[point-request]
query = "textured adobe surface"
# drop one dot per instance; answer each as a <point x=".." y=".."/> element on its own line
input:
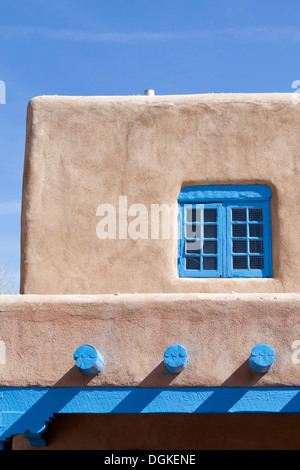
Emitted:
<point x="132" y="332"/>
<point x="85" y="151"/>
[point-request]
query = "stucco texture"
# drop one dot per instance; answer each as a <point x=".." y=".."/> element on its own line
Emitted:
<point x="132" y="332"/>
<point x="82" y="152"/>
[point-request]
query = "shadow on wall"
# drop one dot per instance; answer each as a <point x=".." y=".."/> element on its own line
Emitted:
<point x="244" y="376"/>
<point x="44" y="404"/>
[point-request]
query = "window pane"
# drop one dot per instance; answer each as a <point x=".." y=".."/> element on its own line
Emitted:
<point x="192" y="247"/>
<point x="210" y="215"/>
<point x="210" y="231"/>
<point x="192" y="231"/>
<point x="256" y="262"/>
<point x="193" y="263"/>
<point x="256" y="230"/>
<point x="239" y="246"/>
<point x="192" y="214"/>
<point x="210" y="247"/>
<point x="239" y="215"/>
<point x="256" y="246"/>
<point x="239" y="262"/>
<point x="209" y="263"/>
<point x="227" y="233"/>
<point x="239" y="230"/>
<point x="256" y="215"/>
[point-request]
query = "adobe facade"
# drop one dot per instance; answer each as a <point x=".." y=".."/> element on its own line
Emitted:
<point x="82" y="153"/>
<point x="98" y="268"/>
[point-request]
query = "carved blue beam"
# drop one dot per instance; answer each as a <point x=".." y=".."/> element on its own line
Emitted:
<point x="28" y="410"/>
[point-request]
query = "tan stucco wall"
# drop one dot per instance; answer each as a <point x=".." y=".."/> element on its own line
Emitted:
<point x="85" y="151"/>
<point x="132" y="332"/>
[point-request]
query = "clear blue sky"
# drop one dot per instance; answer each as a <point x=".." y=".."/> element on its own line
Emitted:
<point x="119" y="47"/>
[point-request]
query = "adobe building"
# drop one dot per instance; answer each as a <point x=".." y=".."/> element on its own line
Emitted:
<point x="160" y="274"/>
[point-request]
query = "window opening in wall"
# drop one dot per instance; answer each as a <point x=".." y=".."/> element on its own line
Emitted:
<point x="225" y="231"/>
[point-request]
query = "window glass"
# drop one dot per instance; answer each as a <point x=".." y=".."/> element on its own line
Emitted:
<point x="226" y="231"/>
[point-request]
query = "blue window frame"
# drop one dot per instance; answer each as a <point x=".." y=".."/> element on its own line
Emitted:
<point x="225" y="231"/>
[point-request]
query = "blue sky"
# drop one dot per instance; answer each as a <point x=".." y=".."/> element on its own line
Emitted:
<point x="118" y="47"/>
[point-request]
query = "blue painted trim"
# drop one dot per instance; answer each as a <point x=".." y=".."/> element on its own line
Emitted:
<point x="217" y="193"/>
<point x="267" y="240"/>
<point x="182" y="271"/>
<point x="38" y="439"/>
<point x="28" y="410"/>
<point x="224" y="198"/>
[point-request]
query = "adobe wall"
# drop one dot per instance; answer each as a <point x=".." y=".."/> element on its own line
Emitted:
<point x="123" y="295"/>
<point x="132" y="332"/>
<point x="82" y="152"/>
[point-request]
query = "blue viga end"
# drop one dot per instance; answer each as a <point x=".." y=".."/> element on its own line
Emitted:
<point x="175" y="358"/>
<point x="88" y="359"/>
<point x="262" y="358"/>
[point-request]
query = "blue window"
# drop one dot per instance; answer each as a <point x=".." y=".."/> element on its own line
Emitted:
<point x="225" y="231"/>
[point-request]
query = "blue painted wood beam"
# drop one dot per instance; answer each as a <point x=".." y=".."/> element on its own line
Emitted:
<point x="39" y="438"/>
<point x="88" y="360"/>
<point x="175" y="358"/>
<point x="261" y="358"/>
<point x="28" y="410"/>
<point x="216" y="193"/>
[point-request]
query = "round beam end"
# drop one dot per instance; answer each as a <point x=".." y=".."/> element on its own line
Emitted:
<point x="175" y="358"/>
<point x="88" y="359"/>
<point x="262" y="358"/>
